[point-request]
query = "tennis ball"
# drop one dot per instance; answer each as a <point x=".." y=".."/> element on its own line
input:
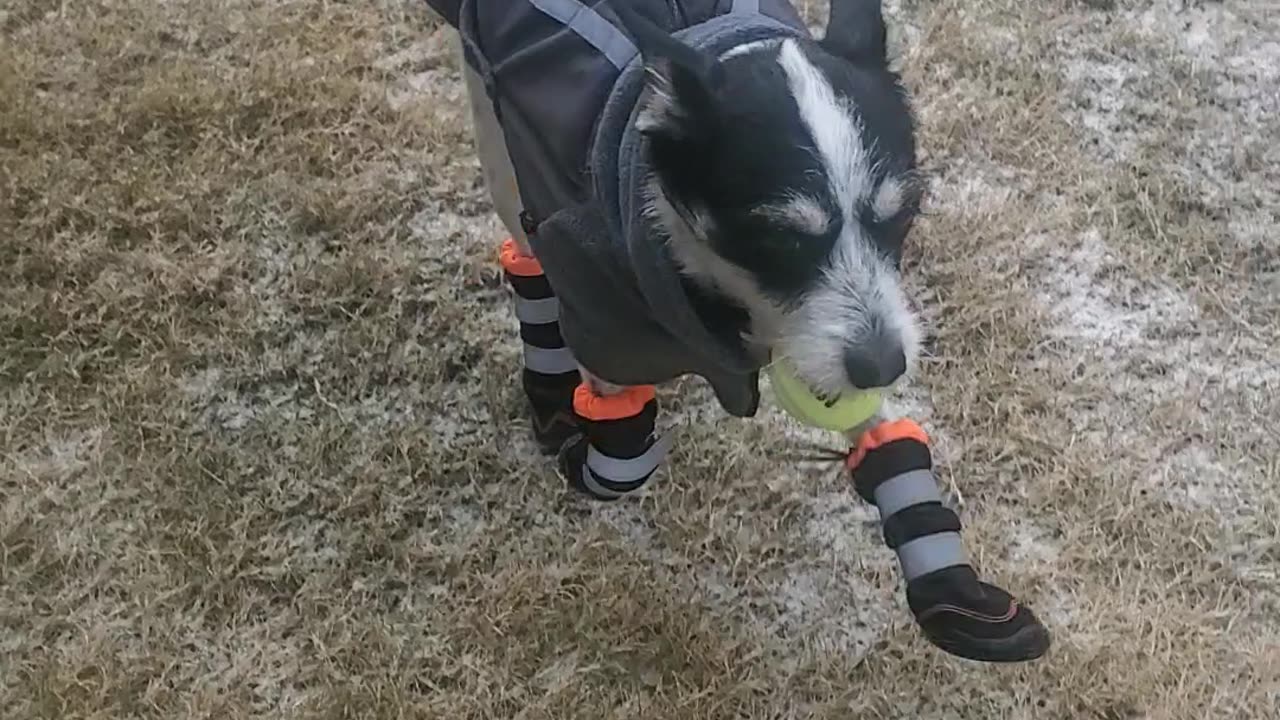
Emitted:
<point x="843" y="413"/>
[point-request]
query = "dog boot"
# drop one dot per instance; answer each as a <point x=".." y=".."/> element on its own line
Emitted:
<point x="892" y="468"/>
<point x="619" y="449"/>
<point x="550" y="373"/>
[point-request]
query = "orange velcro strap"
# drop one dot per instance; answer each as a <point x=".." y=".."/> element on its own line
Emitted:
<point x="883" y="434"/>
<point x="625" y="404"/>
<point x="516" y="263"/>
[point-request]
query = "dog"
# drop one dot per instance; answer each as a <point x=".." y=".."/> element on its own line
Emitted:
<point x="784" y="184"/>
<point x="701" y="187"/>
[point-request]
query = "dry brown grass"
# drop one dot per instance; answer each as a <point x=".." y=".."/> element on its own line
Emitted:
<point x="263" y="455"/>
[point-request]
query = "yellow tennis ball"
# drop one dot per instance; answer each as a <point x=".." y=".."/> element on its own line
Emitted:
<point x="844" y="413"/>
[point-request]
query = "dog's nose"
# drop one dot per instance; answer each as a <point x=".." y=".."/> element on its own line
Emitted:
<point x="876" y="365"/>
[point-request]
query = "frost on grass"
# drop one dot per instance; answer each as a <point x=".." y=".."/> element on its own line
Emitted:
<point x="1178" y="100"/>
<point x="838" y="593"/>
<point x="1094" y="302"/>
<point x="268" y="458"/>
<point x="1150" y="344"/>
<point x="58" y="457"/>
<point x="834" y="595"/>
<point x="1191" y="86"/>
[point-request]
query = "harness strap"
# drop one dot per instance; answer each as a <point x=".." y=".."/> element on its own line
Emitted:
<point x="604" y="35"/>
<point x="592" y="27"/>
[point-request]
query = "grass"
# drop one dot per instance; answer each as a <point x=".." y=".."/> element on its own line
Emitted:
<point x="264" y="456"/>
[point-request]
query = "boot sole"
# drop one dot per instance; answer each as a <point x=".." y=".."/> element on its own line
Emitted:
<point x="1029" y="643"/>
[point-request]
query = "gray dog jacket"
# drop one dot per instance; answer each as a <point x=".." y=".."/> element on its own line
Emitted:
<point x="565" y="79"/>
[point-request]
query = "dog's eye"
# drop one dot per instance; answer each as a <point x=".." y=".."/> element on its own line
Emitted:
<point x="889" y="234"/>
<point x="787" y="245"/>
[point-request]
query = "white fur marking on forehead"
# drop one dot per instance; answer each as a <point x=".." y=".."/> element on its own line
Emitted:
<point x="835" y="131"/>
<point x="800" y="212"/>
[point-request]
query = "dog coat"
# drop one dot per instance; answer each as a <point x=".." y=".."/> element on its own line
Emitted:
<point x="565" y="79"/>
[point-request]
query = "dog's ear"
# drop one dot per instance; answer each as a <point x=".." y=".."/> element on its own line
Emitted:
<point x="856" y="32"/>
<point x="682" y="81"/>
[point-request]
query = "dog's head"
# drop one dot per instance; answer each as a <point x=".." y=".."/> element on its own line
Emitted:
<point x="784" y="174"/>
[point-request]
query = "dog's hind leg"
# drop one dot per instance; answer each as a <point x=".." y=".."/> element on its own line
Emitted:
<point x="621" y="448"/>
<point x="550" y="372"/>
<point x="495" y="160"/>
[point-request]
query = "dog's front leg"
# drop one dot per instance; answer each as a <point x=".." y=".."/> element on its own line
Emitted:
<point x="892" y="468"/>
<point x="620" y="448"/>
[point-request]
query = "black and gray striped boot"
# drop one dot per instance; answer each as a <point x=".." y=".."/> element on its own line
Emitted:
<point x="550" y="372"/>
<point x="892" y="468"/>
<point x="619" y="449"/>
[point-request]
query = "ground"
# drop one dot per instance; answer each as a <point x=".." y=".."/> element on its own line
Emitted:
<point x="264" y="454"/>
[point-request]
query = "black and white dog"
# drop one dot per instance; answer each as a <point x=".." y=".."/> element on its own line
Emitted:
<point x="784" y="174"/>
<point x="747" y="200"/>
